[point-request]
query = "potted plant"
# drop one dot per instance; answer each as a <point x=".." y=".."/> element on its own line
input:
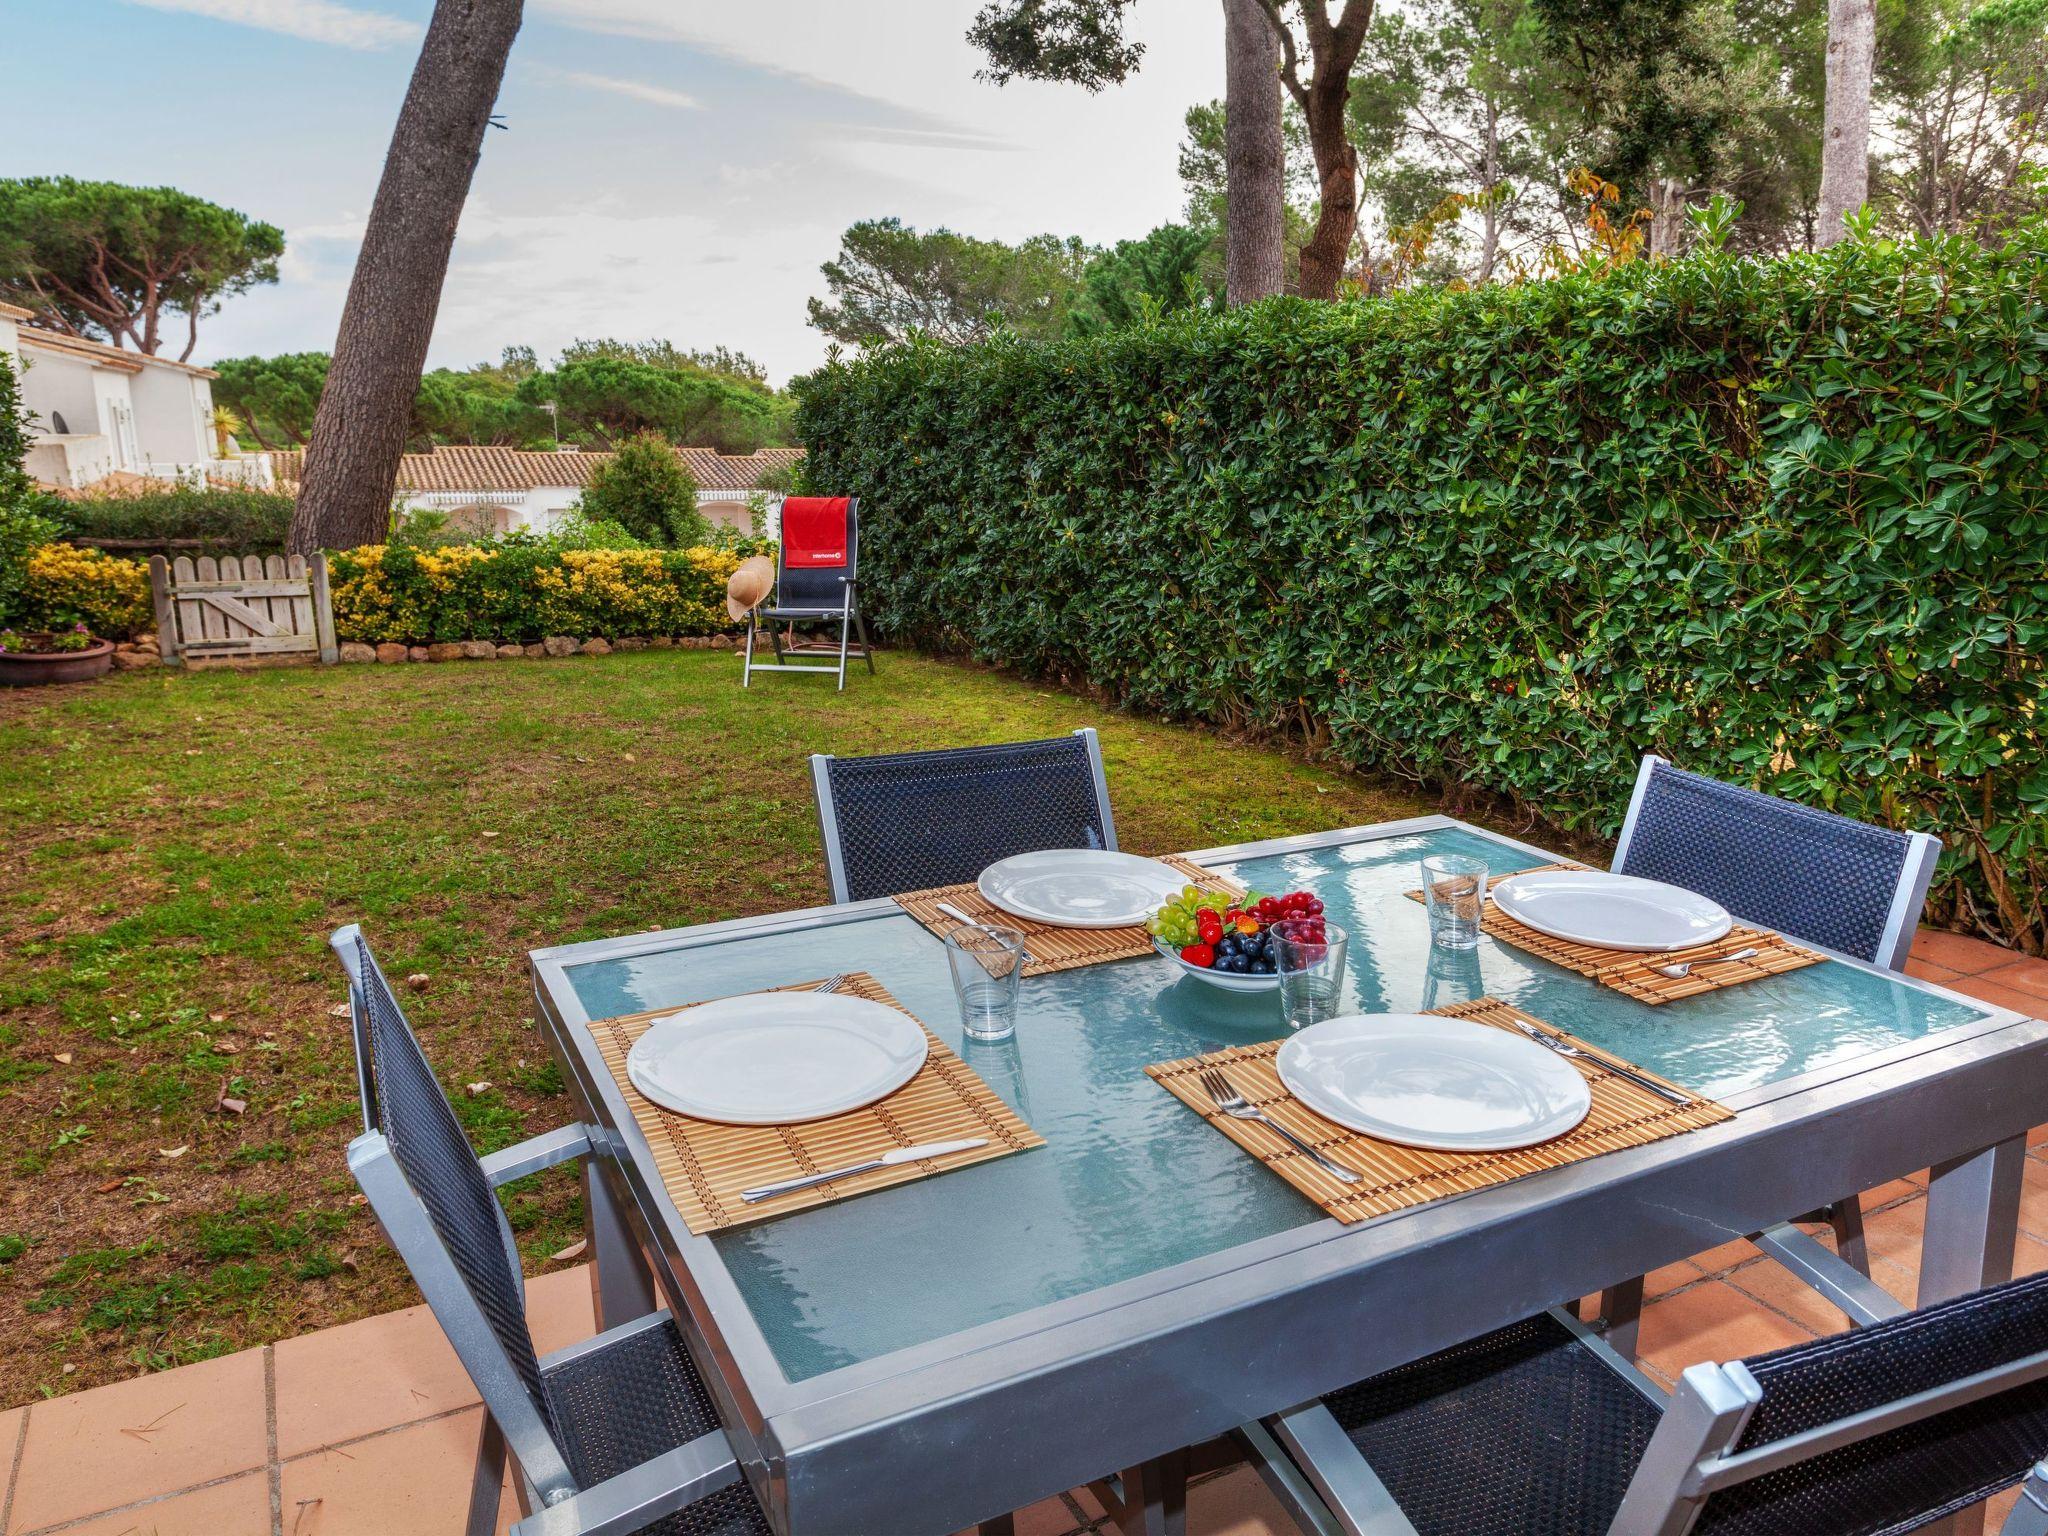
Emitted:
<point x="32" y="656"/>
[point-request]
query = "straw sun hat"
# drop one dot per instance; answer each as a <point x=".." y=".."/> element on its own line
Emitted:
<point x="748" y="585"/>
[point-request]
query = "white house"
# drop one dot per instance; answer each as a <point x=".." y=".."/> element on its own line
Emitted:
<point x="96" y="410"/>
<point x="497" y="490"/>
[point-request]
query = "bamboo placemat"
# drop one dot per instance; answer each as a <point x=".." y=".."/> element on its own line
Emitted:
<point x="1050" y="948"/>
<point x="1637" y="975"/>
<point x="1395" y="1176"/>
<point x="705" y="1165"/>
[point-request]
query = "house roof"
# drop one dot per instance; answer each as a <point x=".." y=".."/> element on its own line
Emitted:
<point x="517" y="469"/>
<point x="15" y="312"/>
<point x="101" y="355"/>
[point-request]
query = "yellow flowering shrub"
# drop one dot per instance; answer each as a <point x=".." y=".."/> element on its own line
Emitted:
<point x="525" y="590"/>
<point x="111" y="595"/>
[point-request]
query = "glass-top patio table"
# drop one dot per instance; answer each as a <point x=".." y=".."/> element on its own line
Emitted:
<point x="920" y="1358"/>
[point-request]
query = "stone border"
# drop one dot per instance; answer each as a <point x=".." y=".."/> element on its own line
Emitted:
<point x="391" y="653"/>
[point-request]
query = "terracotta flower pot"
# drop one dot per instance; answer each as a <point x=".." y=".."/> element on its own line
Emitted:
<point x="28" y="671"/>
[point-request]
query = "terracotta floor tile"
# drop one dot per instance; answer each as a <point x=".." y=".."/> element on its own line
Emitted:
<point x="339" y="1383"/>
<point x="414" y="1479"/>
<point x="1958" y="952"/>
<point x="1941" y="975"/>
<point x="1048" y="1517"/>
<point x="1710" y="1321"/>
<point x="2029" y="975"/>
<point x="1777" y="1288"/>
<point x="10" y="1440"/>
<point x="1236" y="1503"/>
<point x="239" y="1507"/>
<point x="1661" y="1282"/>
<point x="188" y="1426"/>
<point x="1893" y="1191"/>
<point x="2034" y="1197"/>
<point x="2030" y="1257"/>
<point x="1894" y="1235"/>
<point x="1725" y="1257"/>
<point x="2038" y="1136"/>
<point x="559" y="1308"/>
<point x="2001" y="996"/>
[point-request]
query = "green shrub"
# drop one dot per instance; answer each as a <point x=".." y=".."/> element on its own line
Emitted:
<point x="226" y="521"/>
<point x="14" y="481"/>
<point x="22" y="532"/>
<point x="524" y="588"/>
<point x="1781" y="521"/>
<point x="645" y="489"/>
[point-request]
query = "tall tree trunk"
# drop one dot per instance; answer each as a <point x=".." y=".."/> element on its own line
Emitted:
<point x="1845" y="139"/>
<point x="1254" y="154"/>
<point x="1333" y="45"/>
<point x="1667" y="218"/>
<point x="360" y="426"/>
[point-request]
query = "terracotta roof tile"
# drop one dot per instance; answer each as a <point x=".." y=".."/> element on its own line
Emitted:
<point x="100" y="352"/>
<point x="517" y="469"/>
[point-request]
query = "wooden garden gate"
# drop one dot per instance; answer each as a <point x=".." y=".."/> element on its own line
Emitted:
<point x="258" y="607"/>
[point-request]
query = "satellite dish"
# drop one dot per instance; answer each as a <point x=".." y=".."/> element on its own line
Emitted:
<point x="57" y="424"/>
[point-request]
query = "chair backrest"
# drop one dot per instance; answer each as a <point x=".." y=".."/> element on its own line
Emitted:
<point x="913" y="820"/>
<point x="1878" y="1429"/>
<point x="1809" y="874"/>
<point x="818" y="586"/>
<point x="442" y="1215"/>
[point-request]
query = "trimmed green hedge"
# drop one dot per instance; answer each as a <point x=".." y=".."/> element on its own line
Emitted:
<point x="1781" y="521"/>
<point x="225" y="521"/>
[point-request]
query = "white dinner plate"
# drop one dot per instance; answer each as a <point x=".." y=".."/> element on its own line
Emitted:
<point x="776" y="1058"/>
<point x="1609" y="911"/>
<point x="1445" y="1085"/>
<point x="1081" y="887"/>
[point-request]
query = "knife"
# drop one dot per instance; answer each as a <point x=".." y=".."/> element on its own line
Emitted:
<point x="886" y="1160"/>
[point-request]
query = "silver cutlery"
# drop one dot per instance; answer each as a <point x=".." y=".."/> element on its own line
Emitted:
<point x="956" y="914"/>
<point x="886" y="1160"/>
<point x="1566" y="1048"/>
<point x="1683" y="968"/>
<point x="1235" y="1105"/>
<point x="831" y="983"/>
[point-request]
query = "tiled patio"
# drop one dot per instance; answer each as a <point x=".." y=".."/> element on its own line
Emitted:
<point x="370" y="1428"/>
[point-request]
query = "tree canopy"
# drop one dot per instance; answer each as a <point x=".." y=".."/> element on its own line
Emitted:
<point x="111" y="262"/>
<point x="890" y="281"/>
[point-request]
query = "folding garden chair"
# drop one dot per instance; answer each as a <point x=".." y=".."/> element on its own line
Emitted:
<point x="817" y="566"/>
<point x="1809" y="874"/>
<point x="1541" y="1427"/>
<point x="613" y="1435"/>
<point x="912" y="820"/>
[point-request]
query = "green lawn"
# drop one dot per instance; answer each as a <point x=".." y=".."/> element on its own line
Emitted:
<point x="175" y="847"/>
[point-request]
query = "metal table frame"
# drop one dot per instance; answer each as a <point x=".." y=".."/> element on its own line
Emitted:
<point x="962" y="1428"/>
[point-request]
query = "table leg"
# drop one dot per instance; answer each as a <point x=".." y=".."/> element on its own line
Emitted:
<point x="619" y="1283"/>
<point x="1973" y="1216"/>
<point x="1621" y="1311"/>
<point x="1155" y="1497"/>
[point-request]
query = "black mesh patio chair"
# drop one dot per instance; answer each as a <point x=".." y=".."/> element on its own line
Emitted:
<point x="1811" y="875"/>
<point x="612" y="1435"/>
<point x="1540" y="1427"/>
<point x="811" y="595"/>
<point x="909" y="821"/>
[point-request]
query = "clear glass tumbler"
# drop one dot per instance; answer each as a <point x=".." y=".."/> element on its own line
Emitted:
<point x="988" y="963"/>
<point x="1454" y="890"/>
<point x="1308" y="954"/>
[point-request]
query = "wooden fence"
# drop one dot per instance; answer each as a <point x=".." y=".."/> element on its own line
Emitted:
<point x="258" y="607"/>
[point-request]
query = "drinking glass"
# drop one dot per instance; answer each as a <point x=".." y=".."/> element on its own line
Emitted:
<point x="988" y="964"/>
<point x="1454" y="890"/>
<point x="1308" y="954"/>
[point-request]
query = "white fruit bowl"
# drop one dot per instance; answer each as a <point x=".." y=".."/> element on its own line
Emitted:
<point x="1226" y="981"/>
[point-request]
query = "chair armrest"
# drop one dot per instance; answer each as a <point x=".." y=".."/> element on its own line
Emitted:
<point x="535" y="1153"/>
<point x="640" y="1495"/>
<point x="1810" y="1260"/>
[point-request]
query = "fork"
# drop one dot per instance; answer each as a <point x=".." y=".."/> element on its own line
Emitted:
<point x="1566" y="1048"/>
<point x="1235" y="1105"/>
<point x="1683" y="968"/>
<point x="831" y="983"/>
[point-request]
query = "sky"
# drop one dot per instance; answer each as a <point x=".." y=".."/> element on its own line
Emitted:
<point x="670" y="168"/>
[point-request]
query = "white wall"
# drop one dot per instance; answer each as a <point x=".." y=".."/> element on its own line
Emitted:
<point x="115" y="401"/>
<point x="51" y="382"/>
<point x="10" y="331"/>
<point x="166" y="416"/>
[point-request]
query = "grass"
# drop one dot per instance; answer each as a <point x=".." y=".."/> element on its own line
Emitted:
<point x="175" y="847"/>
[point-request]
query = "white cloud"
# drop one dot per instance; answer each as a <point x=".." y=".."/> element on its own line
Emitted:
<point x="317" y="21"/>
<point x="638" y="90"/>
